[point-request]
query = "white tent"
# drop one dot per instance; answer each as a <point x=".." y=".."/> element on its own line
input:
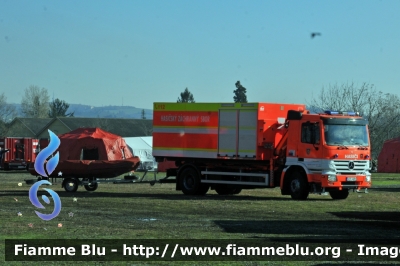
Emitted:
<point x="143" y="148"/>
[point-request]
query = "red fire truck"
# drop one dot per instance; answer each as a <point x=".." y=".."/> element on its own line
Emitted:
<point x="21" y="151"/>
<point x="233" y="146"/>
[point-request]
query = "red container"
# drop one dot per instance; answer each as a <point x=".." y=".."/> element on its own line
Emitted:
<point x="21" y="152"/>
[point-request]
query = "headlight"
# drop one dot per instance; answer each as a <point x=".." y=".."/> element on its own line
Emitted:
<point x="332" y="178"/>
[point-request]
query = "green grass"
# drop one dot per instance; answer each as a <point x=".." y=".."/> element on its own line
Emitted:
<point x="141" y="211"/>
<point x="385" y="179"/>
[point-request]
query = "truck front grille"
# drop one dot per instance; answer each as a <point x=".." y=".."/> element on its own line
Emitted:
<point x="343" y="167"/>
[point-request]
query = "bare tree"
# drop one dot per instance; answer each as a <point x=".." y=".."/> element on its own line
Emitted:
<point x="7" y="113"/>
<point x="381" y="109"/>
<point x="35" y="102"/>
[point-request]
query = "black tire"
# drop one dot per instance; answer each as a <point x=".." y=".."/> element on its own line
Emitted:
<point x="224" y="189"/>
<point x="190" y="181"/>
<point x="339" y="194"/>
<point x="298" y="186"/>
<point x="203" y="189"/>
<point x="71" y="184"/>
<point x="92" y="186"/>
<point x="237" y="191"/>
<point x="6" y="167"/>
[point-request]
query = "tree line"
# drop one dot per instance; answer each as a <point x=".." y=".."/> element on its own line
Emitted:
<point x="239" y="95"/>
<point x="34" y="104"/>
<point x="381" y="109"/>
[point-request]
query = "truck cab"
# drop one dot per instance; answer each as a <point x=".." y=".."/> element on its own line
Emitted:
<point x="327" y="152"/>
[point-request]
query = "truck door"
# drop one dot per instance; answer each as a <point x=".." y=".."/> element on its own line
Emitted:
<point x="309" y="149"/>
<point x="237" y="133"/>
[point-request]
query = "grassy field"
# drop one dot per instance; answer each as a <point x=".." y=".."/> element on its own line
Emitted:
<point x="141" y="211"/>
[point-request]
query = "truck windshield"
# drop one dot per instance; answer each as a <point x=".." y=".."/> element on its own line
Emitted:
<point x="346" y="135"/>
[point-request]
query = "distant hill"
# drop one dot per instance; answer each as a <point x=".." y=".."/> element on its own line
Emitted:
<point x="81" y="110"/>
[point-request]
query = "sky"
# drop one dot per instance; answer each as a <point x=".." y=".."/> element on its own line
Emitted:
<point x="137" y="52"/>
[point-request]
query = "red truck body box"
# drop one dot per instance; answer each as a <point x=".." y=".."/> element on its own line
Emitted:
<point x="218" y="130"/>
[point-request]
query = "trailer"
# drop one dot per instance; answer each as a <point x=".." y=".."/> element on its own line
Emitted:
<point x="233" y="146"/>
<point x="21" y="151"/>
<point x="87" y="172"/>
<point x="87" y="156"/>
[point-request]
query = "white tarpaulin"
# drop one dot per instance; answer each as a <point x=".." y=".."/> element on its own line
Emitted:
<point x="143" y="148"/>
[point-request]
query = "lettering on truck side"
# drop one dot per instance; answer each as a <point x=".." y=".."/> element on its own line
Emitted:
<point x="205" y="118"/>
<point x="188" y="118"/>
<point x="168" y="118"/>
<point x="184" y="118"/>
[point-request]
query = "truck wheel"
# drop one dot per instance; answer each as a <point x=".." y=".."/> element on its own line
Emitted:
<point x="70" y="184"/>
<point x="92" y="186"/>
<point x="298" y="187"/>
<point x="339" y="194"/>
<point x="237" y="191"/>
<point x="190" y="181"/>
<point x="224" y="190"/>
<point x="203" y="189"/>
